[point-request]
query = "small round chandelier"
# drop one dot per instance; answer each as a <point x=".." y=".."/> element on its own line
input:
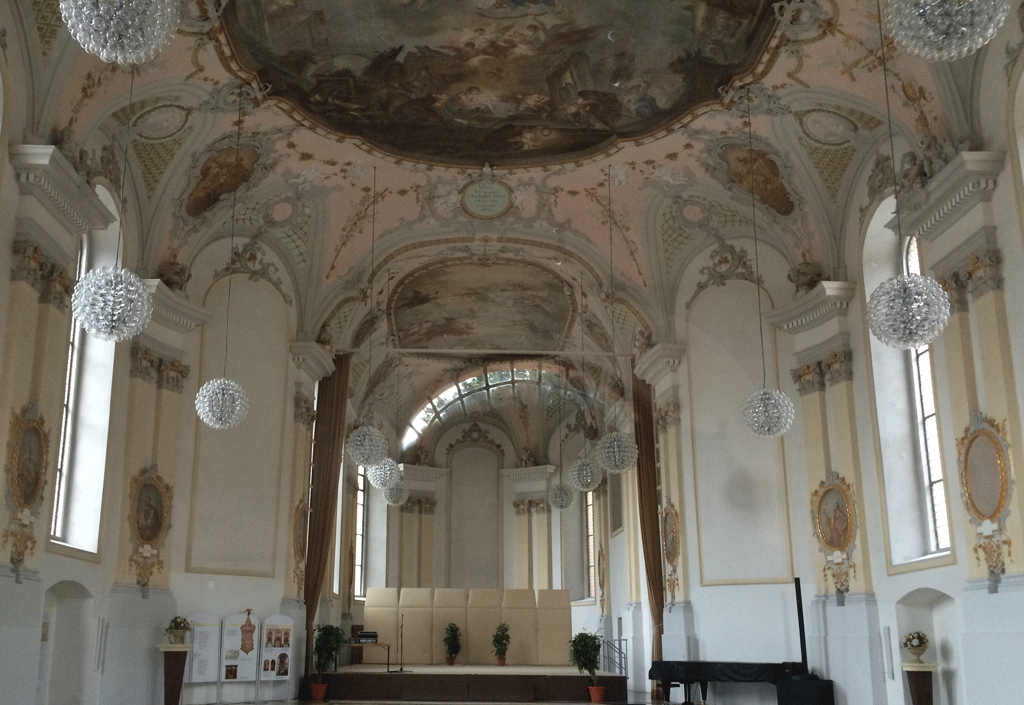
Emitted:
<point x="221" y="403"/>
<point x="768" y="413"/>
<point x="944" y="30"/>
<point x="616" y="452"/>
<point x="585" y="475"/>
<point x="396" y="495"/>
<point x="908" y="311"/>
<point x="367" y="446"/>
<point x="560" y="496"/>
<point x="111" y="303"/>
<point x="125" y="31"/>
<point x="385" y="474"/>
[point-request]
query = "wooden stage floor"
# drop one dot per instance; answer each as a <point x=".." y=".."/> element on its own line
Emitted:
<point x="506" y="684"/>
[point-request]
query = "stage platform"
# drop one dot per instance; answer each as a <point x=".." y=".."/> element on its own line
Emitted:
<point x="425" y="683"/>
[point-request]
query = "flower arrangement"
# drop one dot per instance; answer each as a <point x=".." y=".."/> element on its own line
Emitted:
<point x="915" y="640"/>
<point x="178" y="623"/>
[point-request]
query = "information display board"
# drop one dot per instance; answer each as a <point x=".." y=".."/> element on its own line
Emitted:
<point x="276" y="650"/>
<point x="205" y="655"/>
<point x="238" y="651"/>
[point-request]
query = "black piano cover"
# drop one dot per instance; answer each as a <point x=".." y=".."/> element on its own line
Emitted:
<point x="718" y="671"/>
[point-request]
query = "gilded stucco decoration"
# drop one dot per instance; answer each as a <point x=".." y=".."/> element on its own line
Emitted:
<point x="670" y="548"/>
<point x="27" y="457"/>
<point x="986" y="483"/>
<point x="149" y="519"/>
<point x="30" y="264"/>
<point x="475" y="435"/>
<point x="727" y="262"/>
<point x="300" y="529"/>
<point x="251" y="259"/>
<point x="834" y="518"/>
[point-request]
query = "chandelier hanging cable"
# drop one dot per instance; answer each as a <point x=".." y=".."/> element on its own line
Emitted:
<point x="366" y="445"/>
<point x="113" y="303"/>
<point x="766" y="412"/>
<point x="616" y="452"/>
<point x="585" y="474"/>
<point x="397" y="492"/>
<point x="222" y="403"/>
<point x="908" y="310"/>
<point x="560" y="496"/>
<point x="125" y="31"/>
<point x="944" y="30"/>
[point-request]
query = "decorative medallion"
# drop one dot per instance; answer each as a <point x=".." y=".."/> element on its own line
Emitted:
<point x="986" y="481"/>
<point x="486" y="198"/>
<point x="27" y="452"/>
<point x="834" y="517"/>
<point x="149" y="518"/>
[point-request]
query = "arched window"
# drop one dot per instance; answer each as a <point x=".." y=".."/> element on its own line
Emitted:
<point x="82" y="454"/>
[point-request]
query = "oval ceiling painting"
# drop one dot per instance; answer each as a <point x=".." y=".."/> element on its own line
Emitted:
<point x="492" y="305"/>
<point x="497" y="81"/>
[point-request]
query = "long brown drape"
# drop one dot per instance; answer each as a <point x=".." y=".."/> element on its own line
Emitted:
<point x="647" y="492"/>
<point x="328" y="445"/>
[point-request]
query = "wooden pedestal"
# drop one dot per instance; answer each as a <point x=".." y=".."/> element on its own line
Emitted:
<point x="919" y="681"/>
<point x="174" y="670"/>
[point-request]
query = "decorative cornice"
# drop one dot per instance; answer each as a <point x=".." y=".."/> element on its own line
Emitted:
<point x="45" y="175"/>
<point x="660" y="361"/>
<point x="969" y="179"/>
<point x="824" y="302"/>
<point x="538" y="473"/>
<point x="311" y="358"/>
<point x="173" y="311"/>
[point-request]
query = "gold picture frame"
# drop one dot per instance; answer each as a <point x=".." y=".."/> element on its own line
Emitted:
<point x="149" y="509"/>
<point x="984" y="469"/>
<point x="834" y="515"/>
<point x="670" y="534"/>
<point x="27" y="456"/>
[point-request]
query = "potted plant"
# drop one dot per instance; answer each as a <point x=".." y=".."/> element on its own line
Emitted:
<point x="452" y="643"/>
<point x="916" y="643"/>
<point x="177" y="629"/>
<point x="327" y="642"/>
<point x="584" y="651"/>
<point x="500" y="640"/>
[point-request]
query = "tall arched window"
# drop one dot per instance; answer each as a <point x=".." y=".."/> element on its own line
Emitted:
<point x="82" y="455"/>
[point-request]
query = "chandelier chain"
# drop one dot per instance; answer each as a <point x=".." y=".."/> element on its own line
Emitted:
<point x="231" y="239"/>
<point x="118" y="256"/>
<point x="753" y="219"/>
<point x="892" y="144"/>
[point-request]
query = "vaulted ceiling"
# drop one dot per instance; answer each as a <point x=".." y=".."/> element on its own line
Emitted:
<point x="490" y="180"/>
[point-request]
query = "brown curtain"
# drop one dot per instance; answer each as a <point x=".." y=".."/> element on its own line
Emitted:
<point x="647" y="491"/>
<point x="328" y="445"/>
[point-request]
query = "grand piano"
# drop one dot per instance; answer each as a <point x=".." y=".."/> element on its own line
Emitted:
<point x="793" y="683"/>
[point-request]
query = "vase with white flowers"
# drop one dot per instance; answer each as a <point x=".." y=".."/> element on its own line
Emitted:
<point x="916" y="643"/>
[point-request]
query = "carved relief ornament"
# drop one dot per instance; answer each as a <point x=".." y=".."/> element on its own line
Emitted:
<point x="834" y="518"/>
<point x="27" y="453"/>
<point x="149" y="518"/>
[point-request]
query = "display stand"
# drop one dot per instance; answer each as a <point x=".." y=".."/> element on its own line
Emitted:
<point x="174" y="670"/>
<point x="919" y="681"/>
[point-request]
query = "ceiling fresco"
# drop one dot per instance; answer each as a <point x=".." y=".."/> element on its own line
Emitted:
<point x="497" y="81"/>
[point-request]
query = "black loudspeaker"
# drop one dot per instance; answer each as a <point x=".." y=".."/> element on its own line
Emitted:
<point x="805" y="691"/>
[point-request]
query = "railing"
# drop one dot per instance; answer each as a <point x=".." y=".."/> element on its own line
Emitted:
<point x="613" y="655"/>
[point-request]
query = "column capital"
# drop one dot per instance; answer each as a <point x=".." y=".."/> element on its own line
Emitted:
<point x="809" y="378"/>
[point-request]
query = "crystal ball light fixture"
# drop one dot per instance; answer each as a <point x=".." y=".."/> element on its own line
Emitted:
<point x="585" y="475"/>
<point x="385" y="474"/>
<point x="908" y="311"/>
<point x="112" y="303"/>
<point x="222" y="403"/>
<point x="560" y="496"/>
<point x="396" y="495"/>
<point x="367" y="446"/>
<point x="125" y="31"/>
<point x="616" y="452"/>
<point x="944" y="30"/>
<point x="768" y="413"/>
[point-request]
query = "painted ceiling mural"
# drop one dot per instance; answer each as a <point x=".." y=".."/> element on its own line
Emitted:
<point x="620" y="134"/>
<point x="499" y="81"/>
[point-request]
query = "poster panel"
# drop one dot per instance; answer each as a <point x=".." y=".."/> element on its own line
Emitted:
<point x="238" y="652"/>
<point x="276" y="652"/>
<point x="203" y="659"/>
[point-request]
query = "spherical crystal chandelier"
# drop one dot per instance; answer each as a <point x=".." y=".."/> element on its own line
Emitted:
<point x="125" y="31"/>
<point x="768" y="413"/>
<point x="585" y="475"/>
<point x="561" y="496"/>
<point x="616" y="452"/>
<point x="386" y="474"/>
<point x="944" y="30"/>
<point x="367" y="446"/>
<point x="111" y="303"/>
<point x="396" y="495"/>
<point x="222" y="403"/>
<point x="908" y="311"/>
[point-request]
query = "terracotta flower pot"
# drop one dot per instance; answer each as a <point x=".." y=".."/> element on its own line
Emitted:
<point x="501" y="660"/>
<point x="319" y="691"/>
<point x="596" y="693"/>
<point x="450" y="660"/>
